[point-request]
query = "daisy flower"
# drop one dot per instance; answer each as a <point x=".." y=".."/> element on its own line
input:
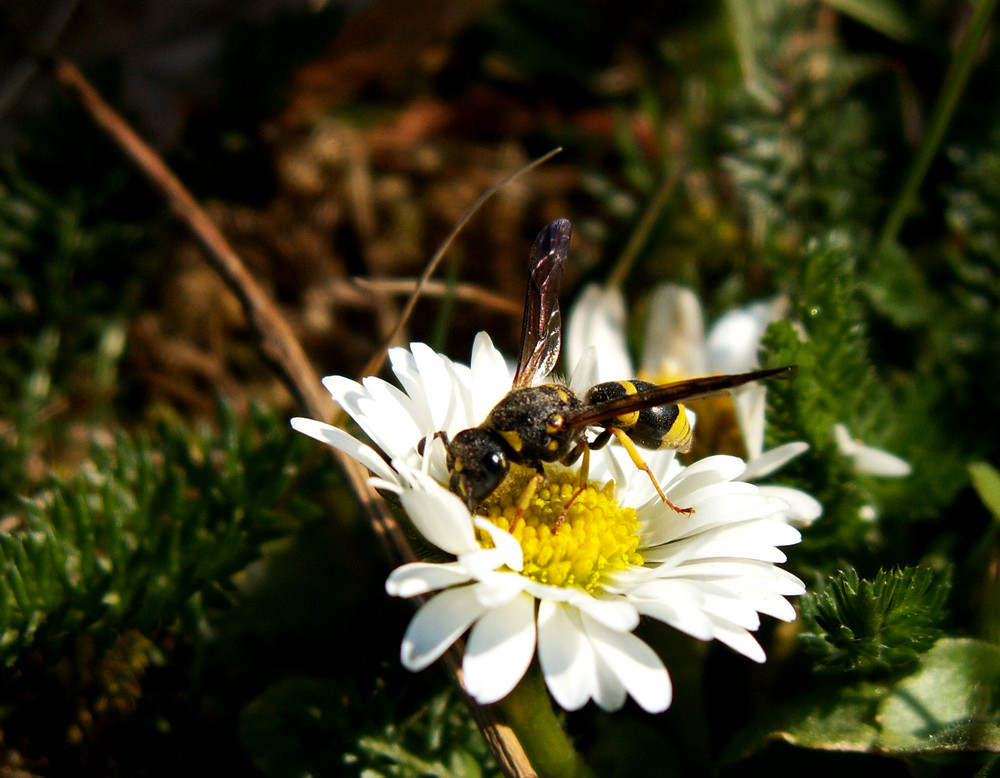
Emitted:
<point x="567" y="586"/>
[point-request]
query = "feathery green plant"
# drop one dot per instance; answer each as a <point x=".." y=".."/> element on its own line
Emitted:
<point x="869" y="627"/>
<point x="149" y="533"/>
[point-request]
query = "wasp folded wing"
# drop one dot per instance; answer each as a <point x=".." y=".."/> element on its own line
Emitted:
<point x="541" y="328"/>
<point x="670" y="394"/>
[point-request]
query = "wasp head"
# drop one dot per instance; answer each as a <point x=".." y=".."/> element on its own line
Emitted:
<point x="478" y="463"/>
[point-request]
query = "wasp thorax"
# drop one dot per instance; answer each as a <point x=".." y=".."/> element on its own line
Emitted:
<point x="533" y="423"/>
<point x="478" y="464"/>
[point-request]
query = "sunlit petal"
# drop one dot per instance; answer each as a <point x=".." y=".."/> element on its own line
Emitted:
<point x="868" y="460"/>
<point x="675" y="334"/>
<point x="598" y="320"/>
<point x="439" y="623"/>
<point x="499" y="650"/>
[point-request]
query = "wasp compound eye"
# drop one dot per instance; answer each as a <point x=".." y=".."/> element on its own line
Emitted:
<point x="493" y="462"/>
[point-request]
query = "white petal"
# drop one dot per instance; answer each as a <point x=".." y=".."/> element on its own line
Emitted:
<point x="437" y="383"/>
<point x="611" y="463"/>
<point x="677" y="603"/>
<point x="874" y="461"/>
<point x="499" y="650"/>
<point x="415" y="578"/>
<point x="341" y="441"/>
<point x="772" y="460"/>
<point x="505" y="544"/>
<point x="498" y="588"/>
<point x="713" y="469"/>
<point x="566" y="656"/>
<point x="633" y="487"/>
<point x="742" y="641"/>
<point x="430" y="394"/>
<point x="756" y="539"/>
<point x="490" y="378"/>
<point x="634" y="665"/>
<point x="547" y="593"/>
<point x="344" y="391"/>
<point x="803" y="509"/>
<point x="609" y="692"/>
<point x="734" y="340"/>
<point x="735" y="574"/>
<point x="750" y="403"/>
<point x="617" y="614"/>
<point x="385" y="486"/>
<point x="869" y="460"/>
<point x="727" y="608"/>
<point x="586" y="372"/>
<point x="718" y="511"/>
<point x="441" y="517"/>
<point x="439" y="623"/>
<point x="671" y="554"/>
<point x="391" y="418"/>
<point x="388" y="421"/>
<point x="598" y="319"/>
<point x="675" y="334"/>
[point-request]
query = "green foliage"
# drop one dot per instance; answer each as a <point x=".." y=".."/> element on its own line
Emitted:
<point x="970" y="204"/>
<point x="150" y="532"/>
<point x="949" y="705"/>
<point x="801" y="152"/>
<point x="871" y="627"/>
<point x="836" y="383"/>
<point x="63" y="306"/>
<point x="301" y="727"/>
<point x="986" y="481"/>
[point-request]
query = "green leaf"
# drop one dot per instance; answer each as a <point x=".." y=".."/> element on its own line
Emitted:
<point x="882" y="15"/>
<point x="837" y="720"/>
<point x="986" y="482"/>
<point x="295" y="727"/>
<point x="950" y="704"/>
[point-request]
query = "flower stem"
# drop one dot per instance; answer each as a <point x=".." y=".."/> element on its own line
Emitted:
<point x="640" y="235"/>
<point x="954" y="83"/>
<point x="529" y="713"/>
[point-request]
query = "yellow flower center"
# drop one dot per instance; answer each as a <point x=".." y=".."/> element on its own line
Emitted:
<point x="572" y="547"/>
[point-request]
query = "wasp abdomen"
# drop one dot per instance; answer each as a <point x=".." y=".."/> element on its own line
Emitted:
<point x="662" y="426"/>
<point x="533" y="423"/>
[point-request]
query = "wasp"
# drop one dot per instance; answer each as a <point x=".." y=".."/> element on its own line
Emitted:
<point x="538" y="423"/>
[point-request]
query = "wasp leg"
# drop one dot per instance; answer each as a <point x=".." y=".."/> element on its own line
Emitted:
<point x="639" y="462"/>
<point x="581" y="449"/>
<point x="524" y="501"/>
<point x="602" y="439"/>
<point x="422" y="443"/>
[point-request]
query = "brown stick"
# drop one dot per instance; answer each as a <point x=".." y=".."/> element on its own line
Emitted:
<point x="470" y="293"/>
<point x="283" y="351"/>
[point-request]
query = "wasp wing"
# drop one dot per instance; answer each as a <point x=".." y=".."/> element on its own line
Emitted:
<point x="670" y="394"/>
<point x="541" y="329"/>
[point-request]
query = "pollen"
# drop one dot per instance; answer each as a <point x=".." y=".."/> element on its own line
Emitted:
<point x="577" y="547"/>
